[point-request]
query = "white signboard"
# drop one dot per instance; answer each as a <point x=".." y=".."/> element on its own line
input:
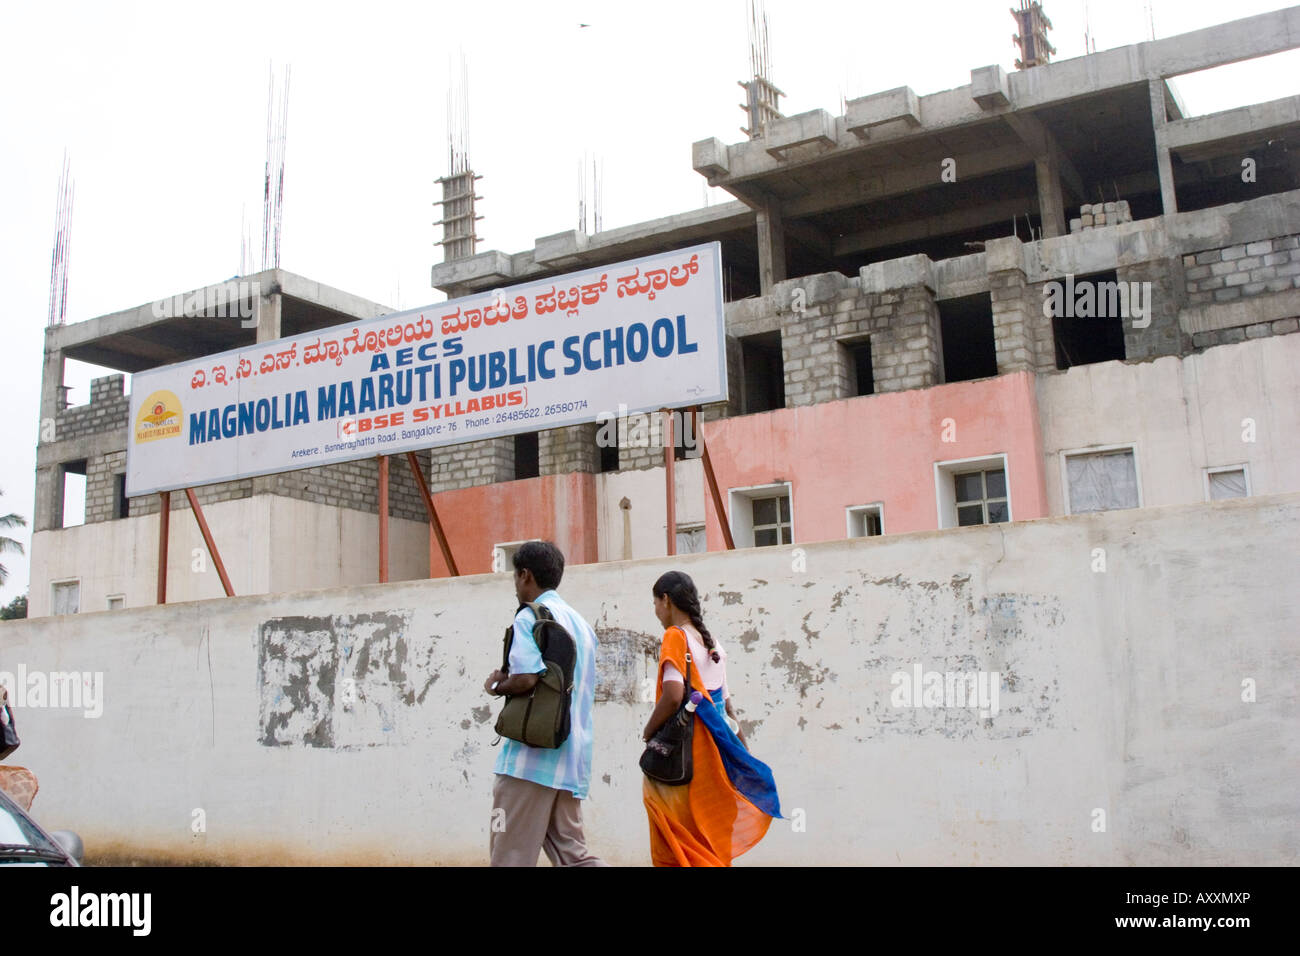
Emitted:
<point x="643" y="335"/>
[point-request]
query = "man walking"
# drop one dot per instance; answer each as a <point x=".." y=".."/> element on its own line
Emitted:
<point x="537" y="793"/>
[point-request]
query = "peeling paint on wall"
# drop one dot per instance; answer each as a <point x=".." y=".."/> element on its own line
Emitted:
<point x="341" y="681"/>
<point x="624" y="660"/>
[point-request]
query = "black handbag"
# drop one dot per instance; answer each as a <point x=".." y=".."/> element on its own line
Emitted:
<point x="667" y="756"/>
<point x="11" y="740"/>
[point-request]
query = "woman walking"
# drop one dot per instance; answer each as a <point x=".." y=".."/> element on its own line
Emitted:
<point x="731" y="799"/>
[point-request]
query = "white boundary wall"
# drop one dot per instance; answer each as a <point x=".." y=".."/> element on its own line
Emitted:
<point x="350" y="725"/>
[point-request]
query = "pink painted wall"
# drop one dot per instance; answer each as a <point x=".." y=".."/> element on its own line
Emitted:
<point x="559" y="508"/>
<point x="881" y="448"/>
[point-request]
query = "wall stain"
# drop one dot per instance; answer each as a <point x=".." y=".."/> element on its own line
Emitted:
<point x="482" y="714"/>
<point x="730" y="597"/>
<point x="798" y="674"/>
<point x="747" y="638"/>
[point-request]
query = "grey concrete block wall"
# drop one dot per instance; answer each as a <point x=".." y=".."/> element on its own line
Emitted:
<point x="561" y="451"/>
<point x="107" y="410"/>
<point x="474" y="463"/>
<point x="101" y="486"/>
<point x="1241" y="271"/>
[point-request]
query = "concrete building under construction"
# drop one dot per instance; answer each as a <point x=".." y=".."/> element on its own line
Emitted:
<point x="886" y="274"/>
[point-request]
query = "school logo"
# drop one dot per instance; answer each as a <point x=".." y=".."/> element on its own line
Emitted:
<point x="159" y="417"/>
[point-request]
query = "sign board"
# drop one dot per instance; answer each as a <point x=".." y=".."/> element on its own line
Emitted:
<point x="630" y="337"/>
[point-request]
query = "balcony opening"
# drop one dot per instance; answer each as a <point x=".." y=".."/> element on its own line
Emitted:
<point x="966" y="326"/>
<point x="764" y="373"/>
<point x="527" y="463"/>
<point x="1087" y="318"/>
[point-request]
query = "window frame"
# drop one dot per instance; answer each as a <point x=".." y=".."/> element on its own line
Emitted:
<point x="1242" y="467"/>
<point x="945" y="489"/>
<point x="62" y="581"/>
<point x="744" y="529"/>
<point x="1099" y="450"/>
<point x="853" y="511"/>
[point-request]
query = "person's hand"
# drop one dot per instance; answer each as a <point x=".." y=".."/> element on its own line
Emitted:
<point x="494" y="678"/>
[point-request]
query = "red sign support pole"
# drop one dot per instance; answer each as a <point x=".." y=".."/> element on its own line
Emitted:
<point x="433" y="513"/>
<point x="718" y="507"/>
<point x="164" y="520"/>
<point x="383" y="519"/>
<point x="212" y="545"/>
<point x="670" y="487"/>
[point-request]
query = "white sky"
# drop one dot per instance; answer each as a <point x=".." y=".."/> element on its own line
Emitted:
<point x="162" y="111"/>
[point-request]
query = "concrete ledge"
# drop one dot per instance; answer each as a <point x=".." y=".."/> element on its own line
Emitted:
<point x="1250" y="120"/>
<point x="862" y="114"/>
<point x="989" y="87"/>
<point x="817" y="289"/>
<point x="815" y="126"/>
<point x="1231" y="315"/>
<point x="485" y="265"/>
<point x="709" y="157"/>
<point x="897" y="274"/>
<point x="560" y="246"/>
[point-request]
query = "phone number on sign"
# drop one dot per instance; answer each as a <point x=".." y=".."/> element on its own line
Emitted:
<point x="560" y="408"/>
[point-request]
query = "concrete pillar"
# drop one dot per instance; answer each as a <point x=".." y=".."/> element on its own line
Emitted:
<point x="49" y="499"/>
<point x="268" y="330"/>
<point x="771" y="245"/>
<point x="1015" y="316"/>
<point x="48" y="507"/>
<point x="1165" y="166"/>
<point x="1051" y="201"/>
<point x="268" y="315"/>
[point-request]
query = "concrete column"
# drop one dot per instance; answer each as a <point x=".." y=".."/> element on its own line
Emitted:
<point x="1015" y="314"/>
<point x="268" y="330"/>
<point x="1051" y="202"/>
<point x="771" y="245"/>
<point x="1165" y="166"/>
<point x="49" y="481"/>
<point x="268" y="316"/>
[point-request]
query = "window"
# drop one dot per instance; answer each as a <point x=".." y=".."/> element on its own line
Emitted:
<point x="116" y="602"/>
<point x="503" y="555"/>
<point x="762" y="515"/>
<point x="764" y="372"/>
<point x="74" y="493"/>
<point x="122" y="504"/>
<point x="1087" y="318"/>
<point x="859" y="359"/>
<point x="966" y="329"/>
<point x="981" y="497"/>
<point x="526" y="456"/>
<point x="65" y="597"/>
<point x="1228" y="482"/>
<point x="691" y="539"/>
<point x="866" y="521"/>
<point x="1101" y="480"/>
<point x="972" y="491"/>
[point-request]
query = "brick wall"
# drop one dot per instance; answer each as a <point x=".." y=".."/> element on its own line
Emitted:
<point x="1234" y="272"/>
<point x="474" y="463"/>
<point x="108" y="410"/>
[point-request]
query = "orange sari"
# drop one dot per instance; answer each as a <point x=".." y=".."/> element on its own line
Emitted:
<point x="707" y="822"/>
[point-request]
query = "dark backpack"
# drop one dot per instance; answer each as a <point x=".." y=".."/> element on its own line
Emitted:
<point x="540" y="718"/>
